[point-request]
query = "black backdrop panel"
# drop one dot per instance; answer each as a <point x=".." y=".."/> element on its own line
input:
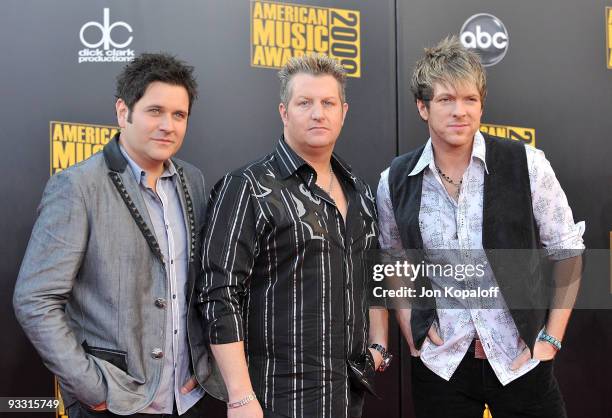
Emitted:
<point x="553" y="80"/>
<point x="234" y="121"/>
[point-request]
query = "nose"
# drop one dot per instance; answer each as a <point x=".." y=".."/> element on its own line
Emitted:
<point x="459" y="109"/>
<point x="317" y="112"/>
<point x="165" y="123"/>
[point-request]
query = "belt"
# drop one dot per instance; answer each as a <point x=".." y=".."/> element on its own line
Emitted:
<point x="477" y="349"/>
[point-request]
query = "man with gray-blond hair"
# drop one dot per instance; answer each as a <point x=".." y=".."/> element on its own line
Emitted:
<point x="284" y="270"/>
<point x="460" y="194"/>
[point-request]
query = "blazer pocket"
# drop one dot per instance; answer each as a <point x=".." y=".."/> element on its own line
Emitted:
<point x="115" y="357"/>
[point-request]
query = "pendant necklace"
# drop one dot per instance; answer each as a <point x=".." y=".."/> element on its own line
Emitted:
<point x="450" y="181"/>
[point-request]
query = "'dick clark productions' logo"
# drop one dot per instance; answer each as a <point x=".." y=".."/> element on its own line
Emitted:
<point x="105" y="41"/>
<point x="280" y="31"/>
<point x="487" y="36"/>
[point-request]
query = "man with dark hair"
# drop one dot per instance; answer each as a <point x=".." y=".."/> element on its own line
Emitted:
<point x="456" y="198"/>
<point x="284" y="264"/>
<point x="133" y="81"/>
<point x="105" y="287"/>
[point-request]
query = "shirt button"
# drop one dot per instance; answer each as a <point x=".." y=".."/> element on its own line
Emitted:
<point x="173" y="296"/>
<point x="157" y="353"/>
<point x="160" y="303"/>
<point x="175" y="331"/>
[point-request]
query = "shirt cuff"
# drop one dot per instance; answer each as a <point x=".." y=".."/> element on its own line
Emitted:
<point x="225" y="329"/>
<point x="570" y="247"/>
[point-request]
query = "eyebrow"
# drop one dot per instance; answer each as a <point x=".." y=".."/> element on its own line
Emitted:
<point x="153" y="105"/>
<point x="323" y="98"/>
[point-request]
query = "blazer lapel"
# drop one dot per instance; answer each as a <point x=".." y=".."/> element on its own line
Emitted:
<point x="188" y="214"/>
<point x="129" y="191"/>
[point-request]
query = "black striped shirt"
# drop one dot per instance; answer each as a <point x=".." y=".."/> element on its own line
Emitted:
<point x="283" y="273"/>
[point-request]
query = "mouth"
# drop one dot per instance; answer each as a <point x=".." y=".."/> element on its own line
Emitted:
<point x="318" y="128"/>
<point x="458" y="125"/>
<point x="163" y="140"/>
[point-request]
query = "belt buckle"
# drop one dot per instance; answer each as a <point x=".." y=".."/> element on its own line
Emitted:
<point x="479" y="352"/>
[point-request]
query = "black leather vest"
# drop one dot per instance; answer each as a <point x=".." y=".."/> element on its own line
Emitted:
<point x="508" y="223"/>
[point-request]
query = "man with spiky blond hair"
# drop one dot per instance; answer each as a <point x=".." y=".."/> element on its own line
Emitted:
<point x="283" y="258"/>
<point x="459" y="195"/>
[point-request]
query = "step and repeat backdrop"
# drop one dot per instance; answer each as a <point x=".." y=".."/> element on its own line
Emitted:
<point x="550" y="85"/>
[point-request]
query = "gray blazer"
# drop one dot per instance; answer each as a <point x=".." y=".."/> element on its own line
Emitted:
<point x="87" y="289"/>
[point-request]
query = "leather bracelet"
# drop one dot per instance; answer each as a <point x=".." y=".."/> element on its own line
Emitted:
<point x="543" y="336"/>
<point x="242" y="402"/>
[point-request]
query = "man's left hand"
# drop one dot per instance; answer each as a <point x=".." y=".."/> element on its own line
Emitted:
<point x="189" y="385"/>
<point x="542" y="351"/>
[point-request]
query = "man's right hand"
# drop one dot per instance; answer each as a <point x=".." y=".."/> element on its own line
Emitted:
<point x="403" y="319"/>
<point x="250" y="410"/>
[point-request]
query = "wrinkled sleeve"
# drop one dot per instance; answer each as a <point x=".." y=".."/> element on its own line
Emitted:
<point x="559" y="235"/>
<point x="44" y="285"/>
<point x="389" y="236"/>
<point x="228" y="256"/>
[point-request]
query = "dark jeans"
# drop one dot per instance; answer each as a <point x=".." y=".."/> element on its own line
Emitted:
<point x="535" y="394"/>
<point x="77" y="410"/>
<point x="271" y="414"/>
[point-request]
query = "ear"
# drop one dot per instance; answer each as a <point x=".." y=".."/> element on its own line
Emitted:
<point x="283" y="113"/>
<point x="345" y="107"/>
<point x="423" y="110"/>
<point x="122" y="113"/>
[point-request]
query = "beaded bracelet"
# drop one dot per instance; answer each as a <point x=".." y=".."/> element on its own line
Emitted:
<point x="543" y="336"/>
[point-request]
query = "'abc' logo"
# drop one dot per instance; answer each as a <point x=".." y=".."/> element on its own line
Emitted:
<point x="105" y="30"/>
<point x="487" y="36"/>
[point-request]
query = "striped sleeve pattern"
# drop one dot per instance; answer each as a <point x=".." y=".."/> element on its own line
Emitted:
<point x="229" y="246"/>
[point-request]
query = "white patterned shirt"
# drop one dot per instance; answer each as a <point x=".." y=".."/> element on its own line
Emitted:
<point x="449" y="225"/>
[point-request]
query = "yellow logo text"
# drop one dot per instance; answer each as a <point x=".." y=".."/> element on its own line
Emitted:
<point x="525" y="135"/>
<point x="71" y="143"/>
<point x="609" y="36"/>
<point x="280" y="31"/>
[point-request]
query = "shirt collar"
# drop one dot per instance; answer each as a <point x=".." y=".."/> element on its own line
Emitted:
<point x="139" y="174"/>
<point x="424" y="160"/>
<point x="479" y="151"/>
<point x="290" y="162"/>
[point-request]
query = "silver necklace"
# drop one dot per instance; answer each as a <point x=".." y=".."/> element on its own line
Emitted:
<point x="450" y="181"/>
<point x="447" y="178"/>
